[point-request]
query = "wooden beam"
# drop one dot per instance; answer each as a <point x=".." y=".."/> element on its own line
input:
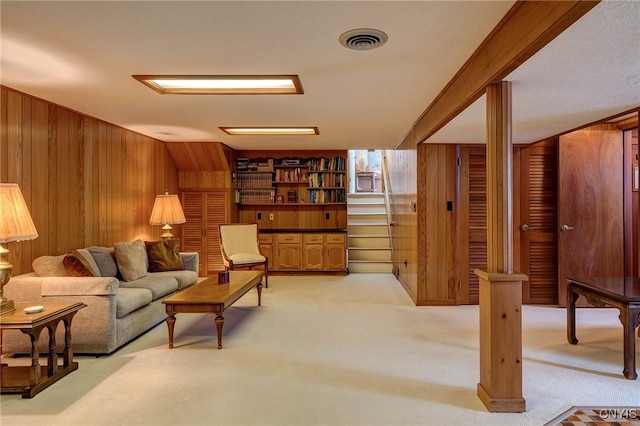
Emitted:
<point x="524" y="30"/>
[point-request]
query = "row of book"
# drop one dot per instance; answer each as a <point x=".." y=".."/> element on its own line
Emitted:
<point x="327" y="196"/>
<point x="254" y="180"/>
<point x="290" y="175"/>
<point x="255" y="196"/>
<point x="326" y="180"/>
<point x="245" y="164"/>
<point x="328" y="164"/>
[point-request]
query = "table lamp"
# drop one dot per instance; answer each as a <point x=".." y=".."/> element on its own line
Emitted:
<point x="167" y="211"/>
<point x="15" y="225"/>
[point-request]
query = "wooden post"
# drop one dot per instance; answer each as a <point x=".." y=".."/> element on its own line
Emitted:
<point x="500" y="387"/>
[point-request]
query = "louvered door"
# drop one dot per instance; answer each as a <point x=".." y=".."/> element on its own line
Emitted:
<point x="473" y="221"/>
<point x="538" y="216"/>
<point x="204" y="212"/>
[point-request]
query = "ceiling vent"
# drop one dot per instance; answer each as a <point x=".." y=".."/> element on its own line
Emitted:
<point x="363" y="39"/>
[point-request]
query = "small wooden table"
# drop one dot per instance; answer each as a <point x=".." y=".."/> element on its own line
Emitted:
<point x="29" y="381"/>
<point x="210" y="296"/>
<point x="620" y="292"/>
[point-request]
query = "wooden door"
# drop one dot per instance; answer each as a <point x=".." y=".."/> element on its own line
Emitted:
<point x="472" y="219"/>
<point x="590" y="205"/>
<point x="216" y="211"/>
<point x="204" y="212"/>
<point x="538" y="221"/>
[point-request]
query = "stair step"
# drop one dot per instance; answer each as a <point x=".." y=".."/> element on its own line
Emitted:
<point x="369" y="242"/>
<point x="370" y="267"/>
<point x="367" y="228"/>
<point x="359" y="198"/>
<point x="370" y="254"/>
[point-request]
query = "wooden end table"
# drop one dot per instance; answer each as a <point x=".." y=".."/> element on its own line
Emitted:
<point x="211" y="296"/>
<point x="29" y="381"/>
<point x="620" y="292"/>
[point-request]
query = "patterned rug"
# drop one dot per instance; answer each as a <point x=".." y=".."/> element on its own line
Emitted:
<point x="598" y="416"/>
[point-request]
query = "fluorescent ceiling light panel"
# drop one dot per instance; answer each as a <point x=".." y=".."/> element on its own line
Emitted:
<point x="223" y="84"/>
<point x="270" y="130"/>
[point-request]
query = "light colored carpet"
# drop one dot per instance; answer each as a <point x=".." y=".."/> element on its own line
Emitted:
<point x="333" y="351"/>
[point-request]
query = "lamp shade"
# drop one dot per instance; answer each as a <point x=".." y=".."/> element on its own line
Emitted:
<point x="15" y="221"/>
<point x="167" y="210"/>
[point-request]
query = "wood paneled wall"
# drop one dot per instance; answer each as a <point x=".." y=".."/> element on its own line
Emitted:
<point x="401" y="166"/>
<point x="437" y="224"/>
<point x="86" y="182"/>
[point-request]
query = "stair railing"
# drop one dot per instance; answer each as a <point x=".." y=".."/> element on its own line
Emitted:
<point x="386" y="191"/>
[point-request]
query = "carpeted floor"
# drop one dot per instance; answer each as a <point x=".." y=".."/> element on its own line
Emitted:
<point x="333" y="351"/>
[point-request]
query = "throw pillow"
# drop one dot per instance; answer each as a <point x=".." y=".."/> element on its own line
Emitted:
<point x="164" y="255"/>
<point x="105" y="258"/>
<point x="132" y="259"/>
<point x="49" y="266"/>
<point x="80" y="264"/>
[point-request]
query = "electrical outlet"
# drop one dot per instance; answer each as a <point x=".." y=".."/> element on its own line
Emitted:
<point x="271" y="216"/>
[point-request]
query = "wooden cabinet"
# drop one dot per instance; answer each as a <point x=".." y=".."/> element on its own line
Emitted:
<point x="204" y="211"/>
<point x="305" y="251"/>
<point x="325" y="252"/>
<point x="335" y="251"/>
<point x="265" y="244"/>
<point x="287" y="254"/>
<point x="313" y="251"/>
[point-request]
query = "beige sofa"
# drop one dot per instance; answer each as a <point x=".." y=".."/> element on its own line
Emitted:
<point x="120" y="306"/>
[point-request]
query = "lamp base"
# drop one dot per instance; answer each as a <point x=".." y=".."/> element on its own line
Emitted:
<point x="6" y="307"/>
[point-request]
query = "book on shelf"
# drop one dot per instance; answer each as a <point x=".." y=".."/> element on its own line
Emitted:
<point x="292" y="196"/>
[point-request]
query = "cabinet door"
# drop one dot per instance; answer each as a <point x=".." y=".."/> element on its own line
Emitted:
<point x="336" y="256"/>
<point x="313" y="256"/>
<point x="287" y="256"/>
<point x="335" y="251"/>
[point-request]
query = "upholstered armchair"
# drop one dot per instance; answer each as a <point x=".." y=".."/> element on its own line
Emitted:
<point x="239" y="247"/>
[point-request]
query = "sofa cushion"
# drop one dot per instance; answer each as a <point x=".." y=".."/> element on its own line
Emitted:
<point x="105" y="258"/>
<point x="159" y="285"/>
<point x="164" y="255"/>
<point x="80" y="264"/>
<point x="185" y="278"/>
<point x="132" y="259"/>
<point x="130" y="299"/>
<point x="50" y="266"/>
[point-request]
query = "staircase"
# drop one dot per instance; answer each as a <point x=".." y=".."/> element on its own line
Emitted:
<point x="369" y="247"/>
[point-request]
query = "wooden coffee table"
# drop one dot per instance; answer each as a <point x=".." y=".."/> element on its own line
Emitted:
<point x="620" y="292"/>
<point x="29" y="381"/>
<point x="210" y="296"/>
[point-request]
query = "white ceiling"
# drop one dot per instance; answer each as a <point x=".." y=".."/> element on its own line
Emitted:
<point x="82" y="54"/>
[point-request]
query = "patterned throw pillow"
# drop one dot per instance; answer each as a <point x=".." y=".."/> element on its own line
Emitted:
<point x="79" y="264"/>
<point x="132" y="259"/>
<point x="164" y="255"/>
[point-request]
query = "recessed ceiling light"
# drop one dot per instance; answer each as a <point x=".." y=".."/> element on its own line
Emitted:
<point x="270" y="130"/>
<point x="222" y="84"/>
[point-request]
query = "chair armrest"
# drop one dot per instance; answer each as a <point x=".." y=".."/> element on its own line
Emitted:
<point x="191" y="261"/>
<point x="29" y="286"/>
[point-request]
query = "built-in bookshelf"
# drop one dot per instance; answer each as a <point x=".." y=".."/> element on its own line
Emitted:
<point x="316" y="180"/>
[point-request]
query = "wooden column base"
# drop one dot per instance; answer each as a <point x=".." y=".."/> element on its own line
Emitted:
<point x="500" y="387"/>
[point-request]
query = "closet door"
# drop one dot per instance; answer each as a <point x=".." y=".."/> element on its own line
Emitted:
<point x="204" y="212"/>
<point x="538" y="219"/>
<point x="473" y="221"/>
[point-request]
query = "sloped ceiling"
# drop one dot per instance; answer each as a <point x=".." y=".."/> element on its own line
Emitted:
<point x="82" y="54"/>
